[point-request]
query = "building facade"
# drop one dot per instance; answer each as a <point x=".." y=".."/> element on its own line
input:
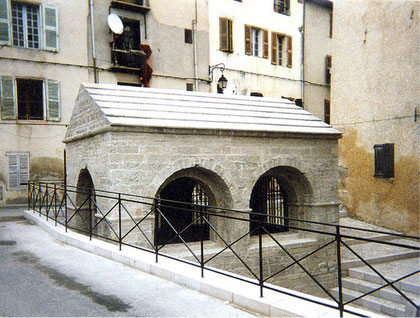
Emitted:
<point x="317" y="59"/>
<point x="261" y="53"/>
<point x="375" y="104"/>
<point x="50" y="47"/>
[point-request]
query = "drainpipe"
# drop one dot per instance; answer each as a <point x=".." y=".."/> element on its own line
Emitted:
<point x="303" y="54"/>
<point x="92" y="39"/>
<point x="194" y="27"/>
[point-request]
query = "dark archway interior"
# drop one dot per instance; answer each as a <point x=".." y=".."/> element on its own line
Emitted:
<point x="182" y="202"/>
<point x="269" y="199"/>
<point x="84" y="200"/>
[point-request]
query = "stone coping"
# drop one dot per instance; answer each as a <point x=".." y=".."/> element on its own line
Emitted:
<point x="240" y="293"/>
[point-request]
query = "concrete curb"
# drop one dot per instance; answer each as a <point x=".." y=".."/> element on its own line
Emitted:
<point x="237" y="292"/>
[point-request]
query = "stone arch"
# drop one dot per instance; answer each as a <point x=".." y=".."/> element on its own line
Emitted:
<point x="83" y="200"/>
<point x="206" y="171"/>
<point x="214" y="188"/>
<point x="296" y="191"/>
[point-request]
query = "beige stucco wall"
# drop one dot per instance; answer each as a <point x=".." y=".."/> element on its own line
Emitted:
<point x="374" y="96"/>
<point x="71" y="66"/>
<point x="43" y="139"/>
<point x="251" y="73"/>
<point x="318" y="45"/>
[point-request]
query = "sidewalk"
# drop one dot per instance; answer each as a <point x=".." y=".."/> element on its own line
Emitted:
<point x="241" y="294"/>
<point x="41" y="276"/>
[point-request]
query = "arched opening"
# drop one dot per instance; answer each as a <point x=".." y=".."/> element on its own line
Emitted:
<point x="279" y="194"/>
<point x="269" y="199"/>
<point x="85" y="198"/>
<point x="183" y="206"/>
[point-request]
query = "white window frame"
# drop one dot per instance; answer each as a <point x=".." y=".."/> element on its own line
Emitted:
<point x="256" y="41"/>
<point x="25" y="24"/>
<point x="22" y="173"/>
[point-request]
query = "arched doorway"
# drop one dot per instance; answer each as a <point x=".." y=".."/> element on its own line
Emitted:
<point x="269" y="199"/>
<point x="85" y="198"/>
<point x="182" y="204"/>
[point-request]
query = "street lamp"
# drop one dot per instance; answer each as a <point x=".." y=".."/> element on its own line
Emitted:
<point x="222" y="82"/>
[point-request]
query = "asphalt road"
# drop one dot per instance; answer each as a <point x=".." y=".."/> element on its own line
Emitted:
<point x="42" y="277"/>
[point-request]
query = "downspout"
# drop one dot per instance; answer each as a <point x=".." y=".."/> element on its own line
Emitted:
<point x="92" y="39"/>
<point x="303" y="54"/>
<point x="194" y="27"/>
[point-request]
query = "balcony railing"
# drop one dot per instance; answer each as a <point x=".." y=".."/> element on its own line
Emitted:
<point x="115" y="217"/>
<point x="142" y="6"/>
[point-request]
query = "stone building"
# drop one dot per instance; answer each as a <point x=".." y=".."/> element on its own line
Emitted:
<point x="61" y="44"/>
<point x="169" y="144"/>
<point x="375" y="103"/>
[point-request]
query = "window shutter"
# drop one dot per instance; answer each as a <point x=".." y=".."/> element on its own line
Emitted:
<point x="230" y="35"/>
<point x="274" y="47"/>
<point x="53" y="100"/>
<point x="23" y="168"/>
<point x="8" y="110"/>
<point x="223" y="31"/>
<point x="4" y="22"/>
<point x="266" y="44"/>
<point x="328" y="64"/>
<point x="248" y="43"/>
<point x="289" y="51"/>
<point x="13" y="176"/>
<point x="50" y="28"/>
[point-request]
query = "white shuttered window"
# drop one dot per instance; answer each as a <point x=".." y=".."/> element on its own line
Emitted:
<point x="18" y="170"/>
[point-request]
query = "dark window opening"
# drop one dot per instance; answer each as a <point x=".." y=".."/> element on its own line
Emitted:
<point x="183" y="207"/>
<point x="30" y="99"/>
<point x="328" y="65"/>
<point x="188" y="36"/>
<point x="190" y="87"/>
<point x="256" y="94"/>
<point x="384" y="161"/>
<point x="129" y="84"/>
<point x="126" y="47"/>
<point x="282" y="6"/>
<point x="269" y="200"/>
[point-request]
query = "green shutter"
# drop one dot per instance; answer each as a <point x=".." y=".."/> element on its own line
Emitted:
<point x="4" y="22"/>
<point x="53" y="100"/>
<point x="50" y="28"/>
<point x="23" y="169"/>
<point x="8" y="110"/>
<point x="13" y="171"/>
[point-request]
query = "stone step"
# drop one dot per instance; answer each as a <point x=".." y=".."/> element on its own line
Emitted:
<point x="373" y="303"/>
<point x="387" y="293"/>
<point x="410" y="285"/>
<point x="375" y="253"/>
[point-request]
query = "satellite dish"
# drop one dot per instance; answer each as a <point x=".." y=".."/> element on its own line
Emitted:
<point x="115" y="23"/>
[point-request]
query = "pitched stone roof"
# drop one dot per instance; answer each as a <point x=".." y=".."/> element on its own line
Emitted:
<point x="101" y="106"/>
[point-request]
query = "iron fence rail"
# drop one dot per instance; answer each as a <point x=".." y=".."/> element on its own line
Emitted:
<point x="56" y="201"/>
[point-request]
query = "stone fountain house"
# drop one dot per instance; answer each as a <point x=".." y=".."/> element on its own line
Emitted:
<point x="234" y="152"/>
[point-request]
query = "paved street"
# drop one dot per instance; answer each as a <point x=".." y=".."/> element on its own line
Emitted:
<point x="41" y="277"/>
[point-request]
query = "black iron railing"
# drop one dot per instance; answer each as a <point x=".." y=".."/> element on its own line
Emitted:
<point x="115" y="217"/>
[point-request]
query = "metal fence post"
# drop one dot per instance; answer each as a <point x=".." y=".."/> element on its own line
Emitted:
<point x="55" y="204"/>
<point x="260" y="252"/>
<point x="40" y="201"/>
<point x="119" y="220"/>
<point x="90" y="215"/>
<point x="202" y="243"/>
<point x="155" y="204"/>
<point x="340" y="285"/>
<point x="28" y="201"/>
<point x="47" y="210"/>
